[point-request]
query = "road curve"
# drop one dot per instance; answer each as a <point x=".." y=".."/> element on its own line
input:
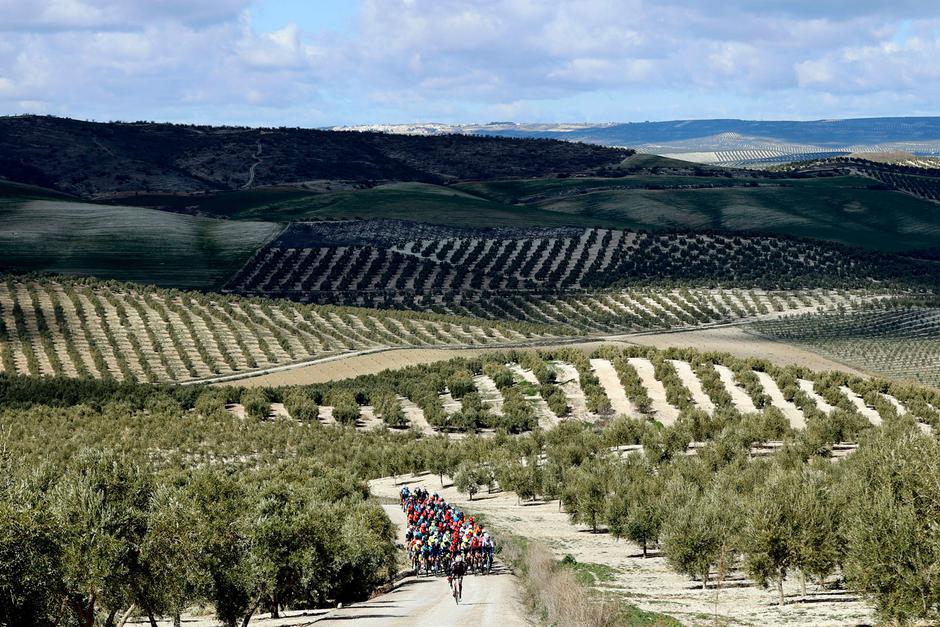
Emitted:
<point x="425" y="601"/>
<point x="254" y="166"/>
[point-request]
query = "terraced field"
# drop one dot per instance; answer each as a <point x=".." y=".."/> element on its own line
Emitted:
<point x="898" y="343"/>
<point x="644" y="384"/>
<point x="330" y="262"/>
<point x="87" y="328"/>
<point x="90" y="329"/>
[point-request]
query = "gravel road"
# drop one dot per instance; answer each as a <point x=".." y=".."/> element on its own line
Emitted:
<point x="487" y="600"/>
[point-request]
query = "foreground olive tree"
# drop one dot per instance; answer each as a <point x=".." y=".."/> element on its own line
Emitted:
<point x="633" y="509"/>
<point x="700" y="537"/>
<point x="585" y="492"/>
<point x="891" y="523"/>
<point x="100" y="507"/>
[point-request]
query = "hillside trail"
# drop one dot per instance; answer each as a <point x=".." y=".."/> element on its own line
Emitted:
<point x="251" y="170"/>
<point x="416" y="601"/>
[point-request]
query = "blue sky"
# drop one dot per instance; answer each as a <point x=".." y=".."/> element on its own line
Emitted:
<point x="311" y="15"/>
<point x="332" y="62"/>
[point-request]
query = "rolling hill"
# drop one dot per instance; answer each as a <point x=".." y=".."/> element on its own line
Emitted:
<point x="127" y="243"/>
<point x="829" y="133"/>
<point x="729" y="142"/>
<point x="105" y="159"/>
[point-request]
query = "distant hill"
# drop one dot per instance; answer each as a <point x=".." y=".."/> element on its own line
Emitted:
<point x="100" y="159"/>
<point x="728" y="142"/>
<point x="826" y="133"/>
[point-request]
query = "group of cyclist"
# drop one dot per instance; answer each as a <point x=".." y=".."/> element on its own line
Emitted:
<point x="441" y="540"/>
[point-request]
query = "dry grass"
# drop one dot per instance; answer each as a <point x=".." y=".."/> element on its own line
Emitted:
<point x="555" y="592"/>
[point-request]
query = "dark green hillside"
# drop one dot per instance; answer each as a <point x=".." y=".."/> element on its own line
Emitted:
<point x="96" y="159"/>
<point x="128" y="243"/>
<point x="850" y="210"/>
<point x="846" y="210"/>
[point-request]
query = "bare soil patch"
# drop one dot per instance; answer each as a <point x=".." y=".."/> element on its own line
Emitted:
<point x="740" y="343"/>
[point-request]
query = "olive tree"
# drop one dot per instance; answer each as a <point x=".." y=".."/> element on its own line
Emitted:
<point x="769" y="540"/>
<point x="168" y="578"/>
<point x="633" y="510"/>
<point x="30" y="557"/>
<point x="700" y="529"/>
<point x="585" y="491"/>
<point x="892" y="536"/>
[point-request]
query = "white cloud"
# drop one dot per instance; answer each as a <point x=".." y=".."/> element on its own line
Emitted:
<point x="810" y="73"/>
<point x="7" y="87"/>
<point x="33" y="15"/>
<point x="417" y="59"/>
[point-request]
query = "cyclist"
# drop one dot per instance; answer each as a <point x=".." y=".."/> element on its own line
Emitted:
<point x="488" y="550"/>
<point x="457" y="573"/>
<point x="438" y="535"/>
<point x="426" y="557"/>
<point x="476" y="553"/>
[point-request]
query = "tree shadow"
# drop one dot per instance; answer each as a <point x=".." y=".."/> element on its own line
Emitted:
<point x="809" y="600"/>
<point x="534" y="502"/>
<point x="650" y="554"/>
<point x="363" y="617"/>
<point x="600" y="531"/>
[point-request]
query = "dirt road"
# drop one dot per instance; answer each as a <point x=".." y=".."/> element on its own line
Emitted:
<point x="254" y="166"/>
<point x="649" y="583"/>
<point x="487" y="600"/>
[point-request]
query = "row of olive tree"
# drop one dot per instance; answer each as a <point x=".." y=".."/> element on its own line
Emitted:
<point x="869" y="520"/>
<point x="103" y="539"/>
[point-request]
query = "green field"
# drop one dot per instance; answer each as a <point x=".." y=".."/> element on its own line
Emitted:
<point x="403" y="201"/>
<point x="127" y="243"/>
<point x="897" y="343"/>
<point x="847" y="210"/>
<point x="842" y="209"/>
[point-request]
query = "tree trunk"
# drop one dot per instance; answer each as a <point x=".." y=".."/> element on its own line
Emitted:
<point x="85" y="612"/>
<point x="153" y="621"/>
<point x="251" y="612"/>
<point x="275" y="609"/>
<point x="717" y="591"/>
<point x="126" y="615"/>
<point x="442" y="480"/>
<point x="803" y="584"/>
<point x="109" y="621"/>
<point x="780" y="589"/>
<point x="644" y="550"/>
<point x="177" y="620"/>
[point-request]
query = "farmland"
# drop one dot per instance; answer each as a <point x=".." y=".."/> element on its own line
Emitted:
<point x="838" y="209"/>
<point x="86" y="328"/>
<point x="699" y="417"/>
<point x="363" y="257"/>
<point x="901" y="343"/>
<point x="124" y="243"/>
<point x="841" y="209"/>
<point x="518" y="390"/>
<point x="237" y="328"/>
<point x="104" y="330"/>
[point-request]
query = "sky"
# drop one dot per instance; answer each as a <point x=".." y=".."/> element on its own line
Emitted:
<point x="342" y="62"/>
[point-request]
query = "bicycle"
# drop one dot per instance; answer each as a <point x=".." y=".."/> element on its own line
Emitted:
<point x="457" y="589"/>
